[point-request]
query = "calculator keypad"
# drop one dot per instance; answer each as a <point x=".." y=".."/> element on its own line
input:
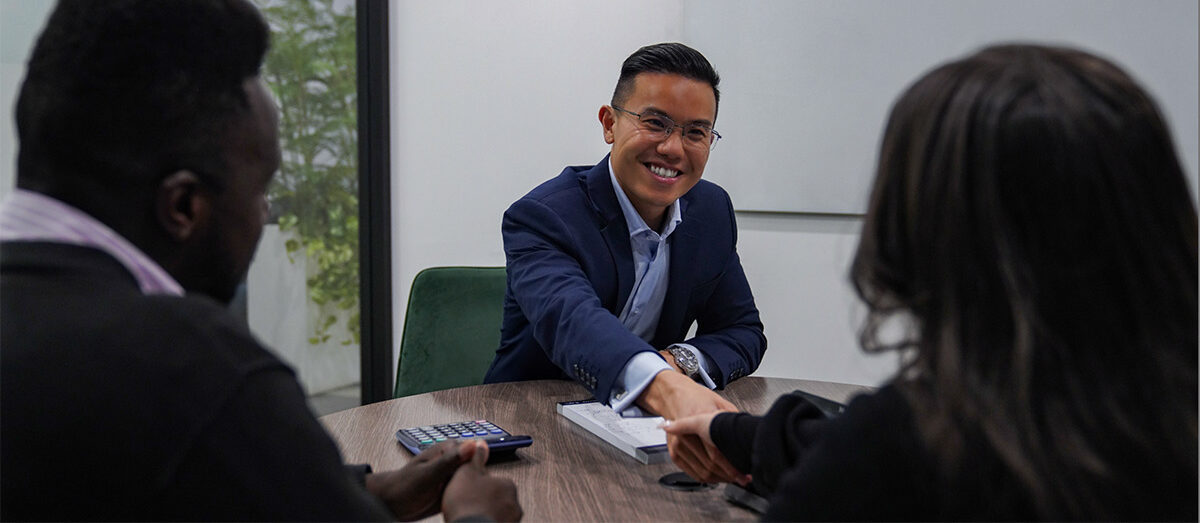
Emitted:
<point x="430" y="435"/>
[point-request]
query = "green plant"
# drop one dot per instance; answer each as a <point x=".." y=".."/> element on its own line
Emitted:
<point x="311" y="69"/>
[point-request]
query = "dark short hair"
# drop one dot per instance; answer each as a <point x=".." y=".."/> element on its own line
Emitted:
<point x="120" y="93"/>
<point x="1030" y="216"/>
<point x="669" y="58"/>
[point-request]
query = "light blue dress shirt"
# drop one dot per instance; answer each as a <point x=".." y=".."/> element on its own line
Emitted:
<point x="651" y="263"/>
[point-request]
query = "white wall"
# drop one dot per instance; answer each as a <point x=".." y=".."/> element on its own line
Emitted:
<point x="813" y="86"/>
<point x="797" y="267"/>
<point x="491" y="98"/>
<point x="20" y="23"/>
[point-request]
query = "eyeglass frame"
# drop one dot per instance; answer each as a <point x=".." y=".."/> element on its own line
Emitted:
<point x="716" y="136"/>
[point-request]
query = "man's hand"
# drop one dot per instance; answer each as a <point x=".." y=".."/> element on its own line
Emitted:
<point x="675" y="396"/>
<point x="704" y="461"/>
<point x="415" y="490"/>
<point x="473" y="493"/>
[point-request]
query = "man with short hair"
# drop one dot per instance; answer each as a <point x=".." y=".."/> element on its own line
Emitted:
<point x="147" y="141"/>
<point x="610" y="265"/>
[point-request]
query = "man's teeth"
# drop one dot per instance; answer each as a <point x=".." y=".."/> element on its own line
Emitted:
<point x="663" y="171"/>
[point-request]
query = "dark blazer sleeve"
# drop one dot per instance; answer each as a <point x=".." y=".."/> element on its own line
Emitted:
<point x="550" y="283"/>
<point x="709" y="286"/>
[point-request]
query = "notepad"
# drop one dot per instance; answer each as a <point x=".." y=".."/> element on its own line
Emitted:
<point x="640" y="438"/>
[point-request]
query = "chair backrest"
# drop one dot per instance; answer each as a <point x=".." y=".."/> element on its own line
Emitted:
<point x="451" y="328"/>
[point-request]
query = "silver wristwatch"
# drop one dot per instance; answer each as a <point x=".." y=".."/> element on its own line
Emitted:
<point x="686" y="361"/>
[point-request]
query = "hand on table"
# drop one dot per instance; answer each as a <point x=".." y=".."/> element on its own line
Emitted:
<point x="676" y="397"/>
<point x="415" y="490"/>
<point x="472" y="492"/>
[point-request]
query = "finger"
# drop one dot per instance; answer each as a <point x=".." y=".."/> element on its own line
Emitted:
<point x="714" y="464"/>
<point x="466" y="450"/>
<point x="686" y="462"/>
<point x="707" y="469"/>
<point x="723" y="467"/>
<point x="430" y="454"/>
<point x="481" y="455"/>
<point x="446" y="460"/>
<point x="724" y="405"/>
<point x="687" y="458"/>
<point x="679" y="426"/>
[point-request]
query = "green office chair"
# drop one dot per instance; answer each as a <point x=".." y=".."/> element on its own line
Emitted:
<point x="451" y="329"/>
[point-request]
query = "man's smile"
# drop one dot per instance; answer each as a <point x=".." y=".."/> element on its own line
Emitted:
<point x="662" y="172"/>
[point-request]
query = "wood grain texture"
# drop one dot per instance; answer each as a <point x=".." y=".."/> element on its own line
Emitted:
<point x="568" y="474"/>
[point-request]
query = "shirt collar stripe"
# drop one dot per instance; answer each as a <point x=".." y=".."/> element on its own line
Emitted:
<point x="30" y="216"/>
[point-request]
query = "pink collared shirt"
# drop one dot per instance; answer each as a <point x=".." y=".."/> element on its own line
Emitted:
<point x="30" y="216"/>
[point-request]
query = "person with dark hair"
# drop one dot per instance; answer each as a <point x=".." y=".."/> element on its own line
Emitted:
<point x="609" y="265"/>
<point x="147" y="141"/>
<point x="1031" y="247"/>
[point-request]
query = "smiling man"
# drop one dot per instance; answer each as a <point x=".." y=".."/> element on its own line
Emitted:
<point x="610" y="265"/>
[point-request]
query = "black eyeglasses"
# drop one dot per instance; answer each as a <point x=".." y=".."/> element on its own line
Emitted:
<point x="660" y="127"/>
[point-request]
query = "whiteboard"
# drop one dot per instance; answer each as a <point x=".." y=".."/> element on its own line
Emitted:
<point x="806" y="85"/>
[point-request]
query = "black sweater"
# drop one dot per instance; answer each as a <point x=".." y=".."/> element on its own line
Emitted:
<point x="120" y="406"/>
<point x="870" y="464"/>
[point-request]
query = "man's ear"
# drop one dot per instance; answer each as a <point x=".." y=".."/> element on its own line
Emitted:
<point x="182" y="205"/>
<point x="607" y="119"/>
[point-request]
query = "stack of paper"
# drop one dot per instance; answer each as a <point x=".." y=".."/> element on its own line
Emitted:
<point x="638" y="437"/>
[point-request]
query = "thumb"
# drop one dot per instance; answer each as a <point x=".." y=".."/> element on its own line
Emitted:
<point x="481" y="455"/>
<point x="449" y="460"/>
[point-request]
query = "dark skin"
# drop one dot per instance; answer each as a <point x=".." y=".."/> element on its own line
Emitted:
<point x="471" y="492"/>
<point x="208" y="233"/>
<point x="205" y="237"/>
<point x="450" y="478"/>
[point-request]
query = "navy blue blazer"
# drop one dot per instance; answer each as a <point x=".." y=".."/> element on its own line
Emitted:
<point x="570" y="272"/>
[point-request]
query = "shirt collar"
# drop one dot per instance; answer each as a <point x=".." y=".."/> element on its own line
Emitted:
<point x="30" y="216"/>
<point x="633" y="220"/>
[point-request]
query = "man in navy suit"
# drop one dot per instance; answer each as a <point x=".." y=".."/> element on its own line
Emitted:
<point x="609" y="265"/>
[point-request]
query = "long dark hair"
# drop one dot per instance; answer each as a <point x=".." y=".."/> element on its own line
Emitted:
<point x="1031" y="227"/>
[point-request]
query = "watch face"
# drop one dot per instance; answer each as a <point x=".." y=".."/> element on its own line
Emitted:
<point x="686" y="360"/>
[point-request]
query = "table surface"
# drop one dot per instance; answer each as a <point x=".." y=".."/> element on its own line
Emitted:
<point x="568" y="474"/>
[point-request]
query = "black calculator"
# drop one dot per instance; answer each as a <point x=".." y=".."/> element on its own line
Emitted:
<point x="416" y="439"/>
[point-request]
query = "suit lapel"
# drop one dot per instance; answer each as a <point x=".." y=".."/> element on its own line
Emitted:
<point x="685" y="246"/>
<point x="612" y="226"/>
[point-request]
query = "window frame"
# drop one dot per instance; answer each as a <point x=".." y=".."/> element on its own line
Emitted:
<point x="374" y="200"/>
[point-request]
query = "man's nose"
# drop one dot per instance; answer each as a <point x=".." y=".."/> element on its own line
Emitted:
<point x="673" y="144"/>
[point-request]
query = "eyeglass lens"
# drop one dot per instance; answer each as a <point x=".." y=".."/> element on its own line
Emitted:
<point x="662" y="126"/>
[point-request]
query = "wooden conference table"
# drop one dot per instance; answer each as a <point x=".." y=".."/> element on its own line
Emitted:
<point x="568" y="474"/>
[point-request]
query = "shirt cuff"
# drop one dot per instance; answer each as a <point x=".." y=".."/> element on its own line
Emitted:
<point x="359" y="473"/>
<point x="633" y="379"/>
<point x="704" y="365"/>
